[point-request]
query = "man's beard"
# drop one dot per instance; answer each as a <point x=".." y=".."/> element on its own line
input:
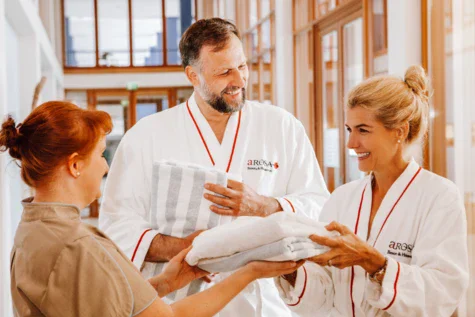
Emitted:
<point x="219" y="103"/>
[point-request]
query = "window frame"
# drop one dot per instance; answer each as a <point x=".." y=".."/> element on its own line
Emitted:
<point x="243" y="12"/>
<point x="120" y="69"/>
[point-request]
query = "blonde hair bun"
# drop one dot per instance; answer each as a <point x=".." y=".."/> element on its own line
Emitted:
<point x="416" y="79"/>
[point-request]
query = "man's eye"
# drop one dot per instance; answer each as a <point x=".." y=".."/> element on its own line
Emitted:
<point x="363" y="131"/>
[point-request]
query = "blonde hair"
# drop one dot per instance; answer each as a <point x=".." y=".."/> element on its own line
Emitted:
<point x="395" y="101"/>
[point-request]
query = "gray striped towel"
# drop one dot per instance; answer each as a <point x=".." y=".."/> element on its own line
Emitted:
<point x="179" y="209"/>
<point x="287" y="249"/>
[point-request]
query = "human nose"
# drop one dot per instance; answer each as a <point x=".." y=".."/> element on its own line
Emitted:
<point x="239" y="79"/>
<point x="106" y="167"/>
<point x="352" y="141"/>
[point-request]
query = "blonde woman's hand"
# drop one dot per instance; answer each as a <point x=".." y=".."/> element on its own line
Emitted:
<point x="347" y="250"/>
<point x="264" y="269"/>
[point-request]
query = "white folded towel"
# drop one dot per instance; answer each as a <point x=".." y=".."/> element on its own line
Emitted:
<point x="287" y="249"/>
<point x="247" y="233"/>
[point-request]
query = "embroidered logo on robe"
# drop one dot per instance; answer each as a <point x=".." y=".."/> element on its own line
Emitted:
<point x="400" y="249"/>
<point x="262" y="165"/>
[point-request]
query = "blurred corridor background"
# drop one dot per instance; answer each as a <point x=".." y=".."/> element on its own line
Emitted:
<point x="121" y="56"/>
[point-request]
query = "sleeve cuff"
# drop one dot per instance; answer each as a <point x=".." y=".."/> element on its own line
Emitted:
<point x="142" y="246"/>
<point x="286" y="204"/>
<point x="383" y="296"/>
<point x="293" y="295"/>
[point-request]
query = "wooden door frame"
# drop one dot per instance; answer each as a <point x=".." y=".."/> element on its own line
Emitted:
<point x="351" y="11"/>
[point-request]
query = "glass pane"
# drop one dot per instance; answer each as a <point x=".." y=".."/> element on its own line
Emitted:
<point x="147" y="32"/>
<point x="331" y="111"/>
<point x="304" y="77"/>
<point x="117" y="108"/>
<point x="380" y="52"/>
<point x="255" y="43"/>
<point x="353" y="75"/>
<point x="302" y="15"/>
<point x="267" y="77"/>
<point x="148" y="104"/>
<point x="253" y="18"/>
<point x="322" y="7"/>
<point x="266" y="35"/>
<point x="113" y="16"/>
<point x="253" y="81"/>
<point x="79" y="33"/>
<point x="78" y="98"/>
<point x="379" y="26"/>
<point x="180" y="15"/>
<point x="460" y="119"/>
<point x="265" y="8"/>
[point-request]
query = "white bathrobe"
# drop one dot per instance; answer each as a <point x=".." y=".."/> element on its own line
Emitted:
<point x="420" y="227"/>
<point x="266" y="146"/>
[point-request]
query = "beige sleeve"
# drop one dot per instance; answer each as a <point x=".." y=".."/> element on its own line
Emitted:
<point x="91" y="278"/>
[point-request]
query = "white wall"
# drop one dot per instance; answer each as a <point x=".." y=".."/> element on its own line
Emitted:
<point x="404" y="44"/>
<point x="84" y="81"/>
<point x="5" y="232"/>
<point x="12" y="172"/>
<point x="25" y="54"/>
<point x="284" y="85"/>
<point x="404" y="35"/>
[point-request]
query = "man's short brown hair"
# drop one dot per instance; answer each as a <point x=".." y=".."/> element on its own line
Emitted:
<point x="215" y="32"/>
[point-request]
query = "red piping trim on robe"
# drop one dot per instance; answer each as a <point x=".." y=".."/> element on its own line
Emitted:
<point x="381" y="229"/>
<point x="395" y="287"/>
<point x="291" y="205"/>
<point x="206" y="145"/>
<point x="352" y="268"/>
<point x="140" y="241"/>
<point x="201" y="135"/>
<point x="304" y="288"/>
<point x="402" y="194"/>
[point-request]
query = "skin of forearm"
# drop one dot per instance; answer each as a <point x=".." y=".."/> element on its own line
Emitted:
<point x="212" y="300"/>
<point x="270" y="206"/>
<point x="374" y="260"/>
<point x="161" y="285"/>
<point x="164" y="247"/>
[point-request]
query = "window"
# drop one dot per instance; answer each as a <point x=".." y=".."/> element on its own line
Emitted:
<point x="379" y="49"/>
<point x="113" y="29"/>
<point x="147" y="32"/>
<point x="256" y="22"/>
<point x="124" y="33"/>
<point x="331" y="57"/>
<point x="79" y="33"/>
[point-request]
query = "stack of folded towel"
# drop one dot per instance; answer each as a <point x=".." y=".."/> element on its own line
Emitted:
<point x="279" y="237"/>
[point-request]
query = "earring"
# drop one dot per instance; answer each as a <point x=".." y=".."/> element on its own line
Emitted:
<point x="398" y="141"/>
<point x="78" y="174"/>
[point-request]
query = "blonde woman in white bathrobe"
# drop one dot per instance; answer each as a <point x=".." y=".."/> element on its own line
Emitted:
<point x="402" y="249"/>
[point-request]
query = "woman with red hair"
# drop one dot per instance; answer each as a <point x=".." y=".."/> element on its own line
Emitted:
<point x="61" y="267"/>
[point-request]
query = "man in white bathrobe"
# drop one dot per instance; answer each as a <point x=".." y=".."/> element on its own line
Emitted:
<point x="262" y="145"/>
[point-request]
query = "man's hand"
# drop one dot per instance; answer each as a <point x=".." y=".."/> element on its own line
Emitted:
<point x="241" y="200"/>
<point x="176" y="274"/>
<point x="163" y="248"/>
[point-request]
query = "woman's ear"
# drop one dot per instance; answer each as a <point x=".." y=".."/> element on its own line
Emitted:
<point x="74" y="165"/>
<point x="403" y="131"/>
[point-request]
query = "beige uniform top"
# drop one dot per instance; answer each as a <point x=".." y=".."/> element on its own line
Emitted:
<point x="62" y="267"/>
